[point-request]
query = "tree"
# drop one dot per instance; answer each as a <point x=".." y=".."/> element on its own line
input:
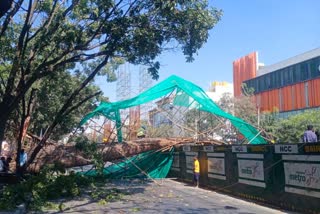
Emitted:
<point x="50" y="98"/>
<point x="202" y="123"/>
<point x="5" y="6"/>
<point x="245" y="108"/>
<point x="291" y="130"/>
<point x="40" y="38"/>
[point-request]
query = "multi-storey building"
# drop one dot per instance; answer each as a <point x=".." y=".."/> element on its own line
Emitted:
<point x="290" y="86"/>
<point x="218" y="89"/>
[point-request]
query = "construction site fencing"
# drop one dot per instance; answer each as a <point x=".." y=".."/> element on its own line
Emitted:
<point x="284" y="175"/>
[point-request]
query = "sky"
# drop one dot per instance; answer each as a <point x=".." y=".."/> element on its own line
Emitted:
<point x="276" y="29"/>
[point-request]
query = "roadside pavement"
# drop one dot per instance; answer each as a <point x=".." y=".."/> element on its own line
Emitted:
<point x="163" y="196"/>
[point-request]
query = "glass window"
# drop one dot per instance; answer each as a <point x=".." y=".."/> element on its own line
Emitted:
<point x="304" y="71"/>
<point x="293" y="73"/>
<point x="278" y="78"/>
<point x="297" y="72"/>
<point x="314" y="67"/>
<point x="282" y="83"/>
<point x="261" y="83"/>
<point x="290" y="72"/>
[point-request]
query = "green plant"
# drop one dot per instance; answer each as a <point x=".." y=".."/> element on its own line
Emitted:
<point x="91" y="151"/>
<point x="37" y="190"/>
<point x="291" y="130"/>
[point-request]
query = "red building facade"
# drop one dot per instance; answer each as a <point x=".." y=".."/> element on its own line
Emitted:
<point x="290" y="86"/>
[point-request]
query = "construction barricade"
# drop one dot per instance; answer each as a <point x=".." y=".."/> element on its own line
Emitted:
<point x="285" y="175"/>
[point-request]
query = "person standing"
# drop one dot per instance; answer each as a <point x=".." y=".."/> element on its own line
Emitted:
<point x="2" y="164"/>
<point x="196" y="170"/>
<point x="317" y="134"/>
<point x="309" y="136"/>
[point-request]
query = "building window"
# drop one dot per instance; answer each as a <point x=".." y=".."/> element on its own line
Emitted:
<point x="304" y="71"/>
<point x="314" y="67"/>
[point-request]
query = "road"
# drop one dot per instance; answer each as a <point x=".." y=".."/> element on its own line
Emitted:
<point x="164" y="196"/>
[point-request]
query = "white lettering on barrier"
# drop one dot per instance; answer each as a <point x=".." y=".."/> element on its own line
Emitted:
<point x="252" y="169"/>
<point x="286" y="149"/>
<point x="239" y="148"/>
<point x="302" y="174"/>
<point x="208" y="148"/>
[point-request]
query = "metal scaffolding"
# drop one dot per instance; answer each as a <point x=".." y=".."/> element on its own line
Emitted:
<point x="145" y="82"/>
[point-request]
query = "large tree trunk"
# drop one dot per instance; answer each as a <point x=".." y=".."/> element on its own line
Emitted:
<point x="68" y="156"/>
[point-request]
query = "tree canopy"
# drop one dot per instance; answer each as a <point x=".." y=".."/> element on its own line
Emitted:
<point x="41" y="40"/>
<point x="291" y="129"/>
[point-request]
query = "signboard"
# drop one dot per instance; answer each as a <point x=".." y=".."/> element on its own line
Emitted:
<point x="258" y="149"/>
<point x="216" y="165"/>
<point x="220" y="148"/>
<point x="312" y="148"/>
<point x="239" y="148"/>
<point x="208" y="148"/>
<point x="252" y="169"/>
<point x="186" y="148"/>
<point x="302" y="174"/>
<point x="286" y="149"/>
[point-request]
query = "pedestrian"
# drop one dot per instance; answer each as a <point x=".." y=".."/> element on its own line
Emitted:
<point x="141" y="132"/>
<point x="309" y="136"/>
<point x="2" y="164"/>
<point x="196" y="170"/>
<point x="317" y="134"/>
<point x="23" y="158"/>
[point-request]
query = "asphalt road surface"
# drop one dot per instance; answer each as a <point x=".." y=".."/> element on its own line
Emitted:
<point x="164" y="196"/>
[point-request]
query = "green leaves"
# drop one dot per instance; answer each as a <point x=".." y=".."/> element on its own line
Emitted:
<point x="60" y="46"/>
<point x="51" y="95"/>
<point x="291" y="130"/>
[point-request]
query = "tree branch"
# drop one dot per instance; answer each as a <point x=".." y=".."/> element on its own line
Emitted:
<point x="81" y="102"/>
<point x="63" y="110"/>
<point x="10" y="16"/>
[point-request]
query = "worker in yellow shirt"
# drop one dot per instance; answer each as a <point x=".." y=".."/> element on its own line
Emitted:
<point x="141" y="132"/>
<point x="196" y="170"/>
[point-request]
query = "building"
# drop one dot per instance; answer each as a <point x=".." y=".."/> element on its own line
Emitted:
<point x="217" y="89"/>
<point x="290" y="86"/>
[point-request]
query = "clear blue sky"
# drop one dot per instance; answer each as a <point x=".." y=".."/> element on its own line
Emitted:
<point x="277" y="29"/>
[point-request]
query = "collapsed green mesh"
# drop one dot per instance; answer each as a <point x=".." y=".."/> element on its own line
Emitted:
<point x="155" y="164"/>
<point x="187" y="94"/>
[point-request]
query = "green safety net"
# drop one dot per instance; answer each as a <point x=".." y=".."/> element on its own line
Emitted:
<point x="151" y="164"/>
<point x="187" y="94"/>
